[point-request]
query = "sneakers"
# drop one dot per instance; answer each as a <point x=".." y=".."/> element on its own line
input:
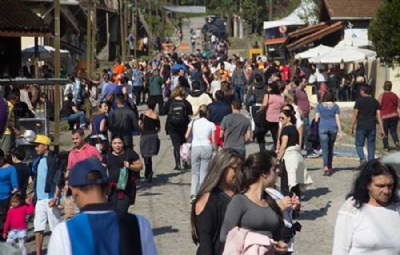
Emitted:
<point x="192" y="199"/>
<point x="312" y="155"/>
<point x="327" y="171"/>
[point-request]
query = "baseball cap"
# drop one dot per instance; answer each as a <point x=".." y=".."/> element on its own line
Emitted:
<point x="42" y="139"/>
<point x="79" y="172"/>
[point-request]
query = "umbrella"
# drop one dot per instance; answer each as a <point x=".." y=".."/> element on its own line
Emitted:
<point x="355" y="42"/>
<point x="45" y="52"/>
<point x="314" y="52"/>
<point x="344" y="54"/>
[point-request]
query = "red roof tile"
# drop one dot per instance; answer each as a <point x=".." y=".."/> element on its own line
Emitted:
<point x="352" y="8"/>
<point x="16" y="17"/>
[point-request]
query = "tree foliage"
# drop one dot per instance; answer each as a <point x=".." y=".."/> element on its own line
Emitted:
<point x="385" y="32"/>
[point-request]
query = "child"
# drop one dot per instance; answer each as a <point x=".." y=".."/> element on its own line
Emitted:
<point x="16" y="221"/>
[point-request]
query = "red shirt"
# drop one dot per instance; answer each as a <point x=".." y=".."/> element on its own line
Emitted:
<point x="16" y="217"/>
<point x="389" y="103"/>
<point x="86" y="152"/>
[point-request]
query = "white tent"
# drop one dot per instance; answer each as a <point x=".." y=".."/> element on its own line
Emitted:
<point x="355" y="42"/>
<point x="46" y="53"/>
<point x="344" y="54"/>
<point x="314" y="52"/>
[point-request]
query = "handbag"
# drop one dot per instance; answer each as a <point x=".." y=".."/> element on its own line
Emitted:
<point x="123" y="177"/>
<point x="186" y="148"/>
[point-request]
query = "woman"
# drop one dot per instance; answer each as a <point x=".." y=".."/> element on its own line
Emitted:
<point x="208" y="209"/>
<point x="294" y="175"/>
<point x="327" y="114"/>
<point x="98" y="128"/>
<point x="274" y="103"/>
<point x="115" y="160"/>
<point x="368" y="221"/>
<point x="215" y="84"/>
<point x="149" y="122"/>
<point x="229" y="93"/>
<point x="8" y="186"/>
<point x="390" y="103"/>
<point x="207" y="76"/>
<point x="178" y="110"/>
<point x="254" y="209"/>
<point x="202" y="132"/>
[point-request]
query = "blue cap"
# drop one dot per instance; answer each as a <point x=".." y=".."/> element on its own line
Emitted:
<point x="79" y="172"/>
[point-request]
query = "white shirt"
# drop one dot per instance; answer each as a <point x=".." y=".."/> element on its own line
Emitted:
<point x="60" y="243"/>
<point x="215" y="85"/>
<point x="369" y="230"/>
<point x="201" y="131"/>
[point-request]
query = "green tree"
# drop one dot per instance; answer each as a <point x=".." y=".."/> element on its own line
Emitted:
<point x="385" y="32"/>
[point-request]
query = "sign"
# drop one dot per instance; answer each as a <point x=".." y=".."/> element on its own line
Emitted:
<point x="282" y="29"/>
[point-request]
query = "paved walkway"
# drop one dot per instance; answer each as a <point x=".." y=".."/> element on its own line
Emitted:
<point x="166" y="201"/>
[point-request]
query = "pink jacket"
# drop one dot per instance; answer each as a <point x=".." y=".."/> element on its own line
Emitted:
<point x="241" y="241"/>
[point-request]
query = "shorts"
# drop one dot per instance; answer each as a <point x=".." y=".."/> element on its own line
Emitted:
<point x="44" y="214"/>
<point x="16" y="234"/>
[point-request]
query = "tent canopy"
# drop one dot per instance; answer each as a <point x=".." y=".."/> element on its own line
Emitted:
<point x="185" y="9"/>
<point x="344" y="54"/>
<point x="314" y="52"/>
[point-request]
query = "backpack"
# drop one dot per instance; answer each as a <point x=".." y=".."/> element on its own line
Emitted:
<point x="177" y="113"/>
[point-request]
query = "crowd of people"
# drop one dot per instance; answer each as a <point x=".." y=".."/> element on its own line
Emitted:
<point x="203" y="101"/>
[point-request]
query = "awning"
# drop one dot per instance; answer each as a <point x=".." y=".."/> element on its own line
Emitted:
<point x="185" y="9"/>
<point x="17" y="20"/>
<point x="315" y="36"/>
<point x="279" y="23"/>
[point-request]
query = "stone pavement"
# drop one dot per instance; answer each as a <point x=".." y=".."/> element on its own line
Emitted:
<point x="165" y="202"/>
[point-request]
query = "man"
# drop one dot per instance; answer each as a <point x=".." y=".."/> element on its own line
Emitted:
<point x="155" y="88"/>
<point x="11" y="131"/>
<point x="256" y="46"/>
<point x="71" y="113"/>
<point x="239" y="81"/>
<point x="123" y="121"/>
<point x="223" y="72"/>
<point x="304" y="105"/>
<point x="197" y="98"/>
<point x="216" y="112"/>
<point x="48" y="179"/>
<point x="99" y="229"/>
<point x="255" y="69"/>
<point x="366" y="112"/>
<point x="236" y="129"/>
<point x="118" y="70"/>
<point x="182" y="81"/>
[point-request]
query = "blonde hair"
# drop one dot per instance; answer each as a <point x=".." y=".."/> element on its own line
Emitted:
<point x="178" y="92"/>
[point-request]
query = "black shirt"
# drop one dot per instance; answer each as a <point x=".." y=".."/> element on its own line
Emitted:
<point x="209" y="223"/>
<point x="23" y="173"/>
<point x="183" y="82"/>
<point x="115" y="163"/>
<point x="292" y="133"/>
<point x="367" y="107"/>
<point x="149" y="125"/>
<point x="217" y="111"/>
<point x="67" y="108"/>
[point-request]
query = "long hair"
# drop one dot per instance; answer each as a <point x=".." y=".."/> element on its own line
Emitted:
<point x="252" y="168"/>
<point x="224" y="159"/>
<point x="97" y="111"/>
<point x="373" y="168"/>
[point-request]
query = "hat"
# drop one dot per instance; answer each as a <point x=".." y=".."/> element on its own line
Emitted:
<point x="78" y="173"/>
<point x="42" y="139"/>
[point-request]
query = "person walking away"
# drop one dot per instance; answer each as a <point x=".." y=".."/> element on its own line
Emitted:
<point x="70" y="112"/>
<point x="8" y="186"/>
<point x="366" y="114"/>
<point x="117" y="159"/>
<point x="125" y="233"/>
<point x="208" y="210"/>
<point x="198" y="97"/>
<point x="236" y="129"/>
<point x="155" y="88"/>
<point x="327" y="114"/>
<point x="48" y="180"/>
<point x="389" y="103"/>
<point x="216" y="112"/>
<point x="98" y="128"/>
<point x="239" y="81"/>
<point x="178" y="110"/>
<point x="137" y="83"/>
<point x="8" y="138"/>
<point x="123" y="121"/>
<point x="22" y="169"/>
<point x="16" y="221"/>
<point x="203" y="145"/>
<point x="149" y="124"/>
<point x="367" y="223"/>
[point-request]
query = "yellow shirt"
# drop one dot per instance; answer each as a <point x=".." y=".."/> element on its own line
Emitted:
<point x="11" y="118"/>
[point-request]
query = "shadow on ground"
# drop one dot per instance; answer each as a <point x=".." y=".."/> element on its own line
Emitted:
<point x="164" y="230"/>
<point x="314" y="214"/>
<point x="315" y="193"/>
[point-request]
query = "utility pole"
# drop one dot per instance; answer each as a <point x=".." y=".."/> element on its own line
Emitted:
<point x="122" y="29"/>
<point x="94" y="34"/>
<point x="89" y="38"/>
<point x="150" y="25"/>
<point x="270" y="10"/>
<point x="57" y="91"/>
<point x="136" y="33"/>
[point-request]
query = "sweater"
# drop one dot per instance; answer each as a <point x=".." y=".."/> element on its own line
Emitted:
<point x="8" y="181"/>
<point x="16" y="217"/>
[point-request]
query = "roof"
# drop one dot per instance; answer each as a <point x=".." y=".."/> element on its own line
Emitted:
<point x="303" y="32"/>
<point x="16" y="19"/>
<point x="347" y="9"/>
<point x="315" y="36"/>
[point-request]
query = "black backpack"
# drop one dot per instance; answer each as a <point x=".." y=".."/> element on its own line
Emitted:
<point x="177" y="113"/>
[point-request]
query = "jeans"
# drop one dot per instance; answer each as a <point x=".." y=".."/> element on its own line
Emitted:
<point x="78" y="115"/>
<point x="361" y="135"/>
<point x="239" y="92"/>
<point x="306" y="132"/>
<point x="390" y="125"/>
<point x="201" y="157"/>
<point x="327" y="138"/>
<point x="136" y="92"/>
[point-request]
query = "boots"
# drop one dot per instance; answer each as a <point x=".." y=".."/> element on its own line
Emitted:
<point x="177" y="157"/>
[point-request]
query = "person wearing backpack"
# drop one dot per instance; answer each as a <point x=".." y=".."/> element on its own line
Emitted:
<point x="177" y="109"/>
